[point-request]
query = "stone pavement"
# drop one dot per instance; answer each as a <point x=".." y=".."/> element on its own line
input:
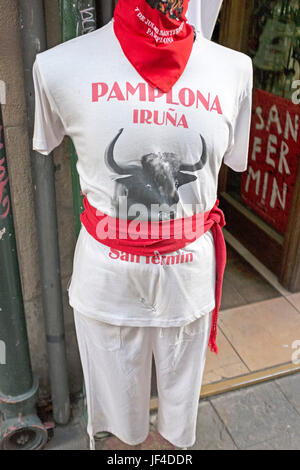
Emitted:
<point x="264" y="416"/>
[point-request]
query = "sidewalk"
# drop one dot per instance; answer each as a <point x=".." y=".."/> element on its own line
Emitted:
<point x="258" y="325"/>
<point x="264" y="416"/>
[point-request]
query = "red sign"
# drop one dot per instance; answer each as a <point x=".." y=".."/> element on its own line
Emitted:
<point x="267" y="185"/>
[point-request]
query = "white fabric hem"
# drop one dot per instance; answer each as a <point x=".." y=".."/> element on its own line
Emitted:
<point x="118" y="436"/>
<point x="121" y="321"/>
<point x="135" y="442"/>
<point x="176" y="444"/>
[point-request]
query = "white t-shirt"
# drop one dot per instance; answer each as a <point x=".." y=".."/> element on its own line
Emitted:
<point x="151" y="147"/>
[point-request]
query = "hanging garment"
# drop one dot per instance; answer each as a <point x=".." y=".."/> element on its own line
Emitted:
<point x="117" y="365"/>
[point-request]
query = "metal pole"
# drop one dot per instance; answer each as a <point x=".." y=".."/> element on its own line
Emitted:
<point x="106" y="10"/>
<point x="20" y="428"/>
<point x="34" y="41"/>
<point x="78" y="17"/>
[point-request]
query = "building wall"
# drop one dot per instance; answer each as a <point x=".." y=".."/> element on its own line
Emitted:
<point x="18" y="157"/>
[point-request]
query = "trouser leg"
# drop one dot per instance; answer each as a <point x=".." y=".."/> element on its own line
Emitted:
<point x="116" y="362"/>
<point x="180" y="355"/>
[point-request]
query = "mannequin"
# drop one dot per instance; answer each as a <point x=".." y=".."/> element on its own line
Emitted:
<point x="203" y="14"/>
<point x="150" y="135"/>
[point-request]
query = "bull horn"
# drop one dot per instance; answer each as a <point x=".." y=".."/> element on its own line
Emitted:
<point x="109" y="156"/>
<point x="199" y="165"/>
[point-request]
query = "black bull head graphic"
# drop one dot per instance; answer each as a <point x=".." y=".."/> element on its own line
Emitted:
<point x="156" y="180"/>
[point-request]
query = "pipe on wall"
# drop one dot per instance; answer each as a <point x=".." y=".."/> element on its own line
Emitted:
<point x="33" y="36"/>
<point x="20" y="427"/>
<point x="106" y="9"/>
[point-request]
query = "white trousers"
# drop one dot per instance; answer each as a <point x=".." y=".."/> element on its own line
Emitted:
<point x="117" y="365"/>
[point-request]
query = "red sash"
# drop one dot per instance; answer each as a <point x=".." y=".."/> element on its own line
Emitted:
<point x="118" y="234"/>
<point x="156" y="38"/>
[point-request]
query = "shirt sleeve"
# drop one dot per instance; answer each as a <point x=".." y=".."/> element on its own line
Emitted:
<point x="236" y="156"/>
<point x="48" y="127"/>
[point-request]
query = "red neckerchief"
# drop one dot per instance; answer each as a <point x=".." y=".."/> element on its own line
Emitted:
<point x="118" y="237"/>
<point x="156" y="38"/>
